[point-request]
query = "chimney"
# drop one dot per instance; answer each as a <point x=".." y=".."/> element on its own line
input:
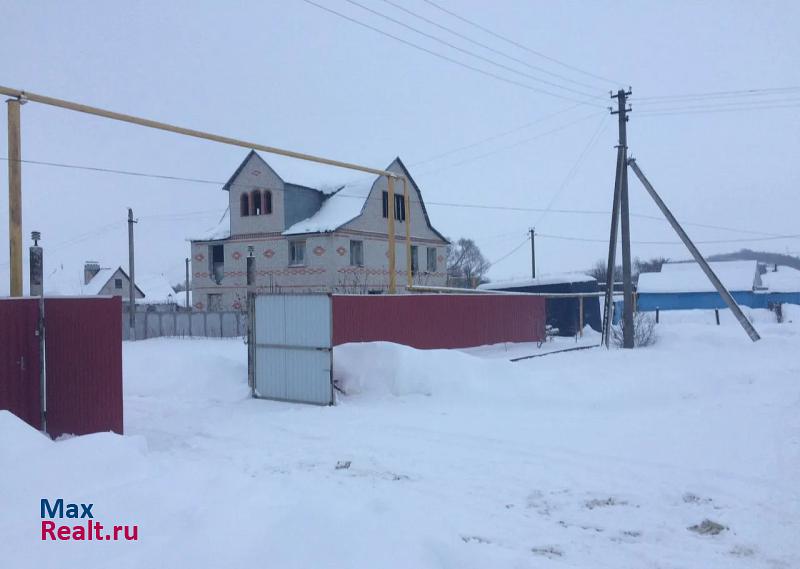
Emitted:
<point x="90" y="269"/>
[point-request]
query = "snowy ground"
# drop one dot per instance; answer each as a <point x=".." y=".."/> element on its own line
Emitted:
<point x="582" y="459"/>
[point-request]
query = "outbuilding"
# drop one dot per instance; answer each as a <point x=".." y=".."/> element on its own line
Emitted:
<point x="563" y="313"/>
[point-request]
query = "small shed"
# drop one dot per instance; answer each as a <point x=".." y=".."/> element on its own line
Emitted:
<point x="562" y="313"/>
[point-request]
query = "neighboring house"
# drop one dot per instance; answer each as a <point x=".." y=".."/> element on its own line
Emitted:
<point x="151" y="292"/>
<point x="279" y="236"/>
<point x="562" y="313"/>
<point x="683" y="286"/>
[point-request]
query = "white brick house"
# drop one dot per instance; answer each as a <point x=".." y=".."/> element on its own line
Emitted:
<point x="278" y="236"/>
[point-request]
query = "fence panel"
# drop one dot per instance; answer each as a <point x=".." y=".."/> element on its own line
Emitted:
<point x="19" y="359"/>
<point x="438" y="320"/>
<point x="84" y="365"/>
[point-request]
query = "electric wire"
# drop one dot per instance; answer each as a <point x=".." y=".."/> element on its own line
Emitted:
<point x="486" y="46"/>
<point x="446" y="57"/>
<point x="523" y="46"/>
<point x="523" y="209"/>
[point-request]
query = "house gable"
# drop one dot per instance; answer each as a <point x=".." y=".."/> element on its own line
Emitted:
<point x="253" y="176"/>
<point x="371" y="219"/>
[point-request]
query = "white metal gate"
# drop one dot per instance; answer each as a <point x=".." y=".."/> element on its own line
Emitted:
<point x="290" y="347"/>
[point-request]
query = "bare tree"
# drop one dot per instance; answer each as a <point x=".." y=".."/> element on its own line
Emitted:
<point x="466" y="265"/>
<point x="651" y="266"/>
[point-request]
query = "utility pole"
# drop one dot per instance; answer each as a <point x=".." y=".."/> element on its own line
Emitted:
<point x="15" y="196"/>
<point x="622" y="181"/>
<point x="188" y="306"/>
<point x="132" y="287"/>
<point x="533" y="252"/>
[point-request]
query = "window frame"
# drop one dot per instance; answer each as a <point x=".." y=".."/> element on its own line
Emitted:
<point x="359" y="246"/>
<point x="293" y="243"/>
<point x="431" y="263"/>
<point x="266" y="203"/>
<point x="414" y="259"/>
<point x="244" y="205"/>
<point x="118" y="283"/>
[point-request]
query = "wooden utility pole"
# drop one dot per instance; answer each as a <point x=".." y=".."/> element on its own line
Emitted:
<point x="132" y="284"/>
<point x="15" y="196"/>
<point x="390" y="221"/>
<point x="627" y="283"/>
<point x="533" y="252"/>
<point x="188" y="306"/>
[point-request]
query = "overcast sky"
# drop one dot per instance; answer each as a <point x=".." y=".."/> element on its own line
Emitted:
<point x="292" y="75"/>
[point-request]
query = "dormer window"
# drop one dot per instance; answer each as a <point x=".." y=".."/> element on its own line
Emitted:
<point x="244" y="209"/>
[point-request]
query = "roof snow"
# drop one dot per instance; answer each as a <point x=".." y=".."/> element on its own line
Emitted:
<point x="343" y="206"/>
<point x="689" y="277"/>
<point x="157" y="290"/>
<point x="539" y="281"/>
<point x="221" y="230"/>
<point x="785" y="279"/>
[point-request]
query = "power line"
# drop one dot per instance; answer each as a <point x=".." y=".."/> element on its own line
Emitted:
<point x="485" y="46"/>
<point x="507" y="255"/>
<point x="706" y="242"/>
<point x="714" y="105"/>
<point x="666" y="112"/>
<point x="493" y="137"/>
<point x="572" y="171"/>
<point x="470" y="53"/>
<point x="445" y="57"/>
<point x="723" y="94"/>
<point x="514" y="145"/>
<point x="522" y="46"/>
<point x="342" y="194"/>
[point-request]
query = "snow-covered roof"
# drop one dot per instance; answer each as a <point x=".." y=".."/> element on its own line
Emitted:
<point x="157" y="290"/>
<point x="539" y="281"/>
<point x="785" y="279"/>
<point x="689" y="277"/>
<point x="343" y="206"/>
<point x="221" y="230"/>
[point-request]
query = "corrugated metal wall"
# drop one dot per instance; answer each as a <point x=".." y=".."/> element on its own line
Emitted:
<point x="84" y="365"/>
<point x="438" y="320"/>
<point x="83" y="357"/>
<point x="19" y="359"/>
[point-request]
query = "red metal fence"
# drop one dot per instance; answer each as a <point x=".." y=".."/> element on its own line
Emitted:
<point x="438" y="320"/>
<point x="83" y="363"/>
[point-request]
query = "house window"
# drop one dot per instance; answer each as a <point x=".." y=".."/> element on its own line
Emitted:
<point x="357" y="253"/>
<point x="244" y="205"/>
<point x="255" y="202"/>
<point x="216" y="259"/>
<point x="215" y="302"/>
<point x="399" y="206"/>
<point x="267" y="205"/>
<point x="414" y="259"/>
<point x="431" y="266"/>
<point x="251" y="271"/>
<point x="297" y="253"/>
<point x="118" y="284"/>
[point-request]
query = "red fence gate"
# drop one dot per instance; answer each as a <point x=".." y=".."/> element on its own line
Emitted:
<point x="438" y="320"/>
<point x="81" y="343"/>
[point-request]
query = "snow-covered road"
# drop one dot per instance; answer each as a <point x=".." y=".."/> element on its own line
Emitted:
<point x="583" y="459"/>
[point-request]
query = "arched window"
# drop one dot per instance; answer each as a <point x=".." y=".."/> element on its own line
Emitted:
<point x="255" y="202"/>
<point x="244" y="202"/>
<point x="267" y="201"/>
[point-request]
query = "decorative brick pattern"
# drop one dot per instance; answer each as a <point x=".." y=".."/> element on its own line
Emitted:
<point x="269" y="253"/>
<point x="319" y="250"/>
<point x="236" y="255"/>
<point x="199" y="257"/>
<point x="341" y="251"/>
